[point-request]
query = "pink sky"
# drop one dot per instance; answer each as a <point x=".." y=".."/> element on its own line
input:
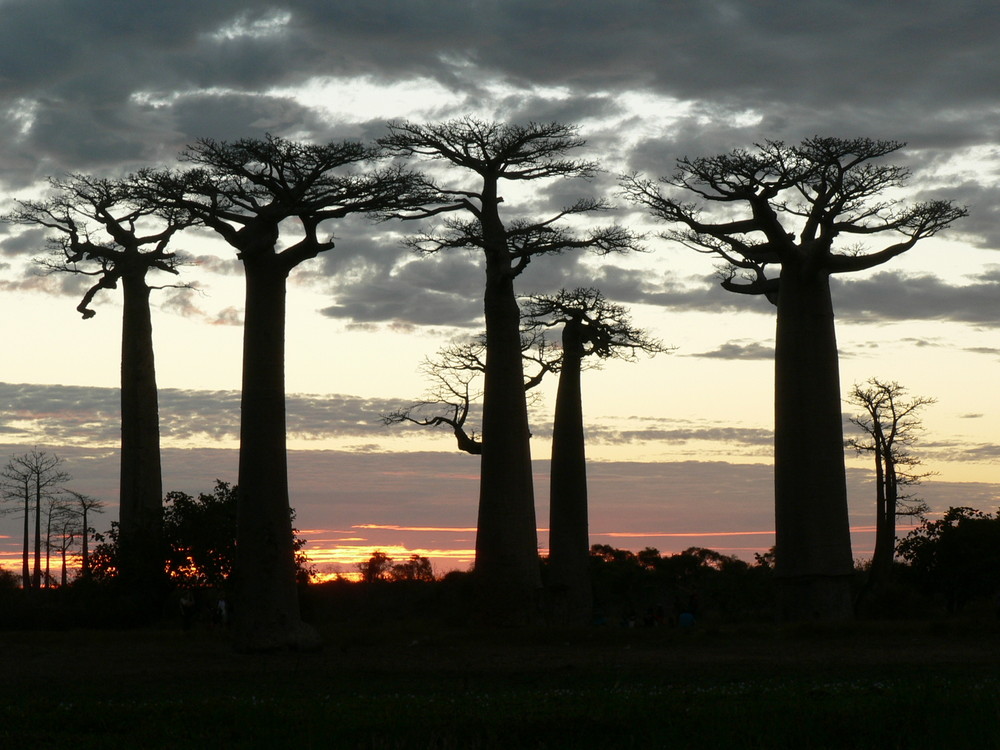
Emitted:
<point x="349" y="504"/>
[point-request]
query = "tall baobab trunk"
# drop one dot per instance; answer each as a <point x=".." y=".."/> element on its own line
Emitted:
<point x="266" y="615"/>
<point x="813" y="544"/>
<point x="507" y="565"/>
<point x="142" y="562"/>
<point x="569" y="532"/>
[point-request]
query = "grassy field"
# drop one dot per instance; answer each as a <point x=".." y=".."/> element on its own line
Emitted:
<point x="885" y="685"/>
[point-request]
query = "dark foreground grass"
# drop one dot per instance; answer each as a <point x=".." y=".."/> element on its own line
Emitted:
<point x="909" y="685"/>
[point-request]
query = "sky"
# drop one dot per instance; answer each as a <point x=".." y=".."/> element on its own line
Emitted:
<point x="679" y="444"/>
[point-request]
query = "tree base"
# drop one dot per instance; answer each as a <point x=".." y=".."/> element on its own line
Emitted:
<point x="301" y="638"/>
<point x="568" y="605"/>
<point x="815" y="599"/>
<point x="504" y="604"/>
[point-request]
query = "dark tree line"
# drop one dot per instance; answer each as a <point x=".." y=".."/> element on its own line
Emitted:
<point x="796" y="201"/>
<point x="32" y="485"/>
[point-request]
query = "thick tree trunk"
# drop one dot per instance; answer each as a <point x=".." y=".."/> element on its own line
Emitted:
<point x="140" y="531"/>
<point x="507" y="565"/>
<point x="813" y="557"/>
<point x="569" y="586"/>
<point x="266" y="611"/>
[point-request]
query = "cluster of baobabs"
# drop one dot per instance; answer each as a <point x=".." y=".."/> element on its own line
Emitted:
<point x="781" y="209"/>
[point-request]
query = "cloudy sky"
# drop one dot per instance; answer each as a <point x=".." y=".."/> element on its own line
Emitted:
<point x="680" y="444"/>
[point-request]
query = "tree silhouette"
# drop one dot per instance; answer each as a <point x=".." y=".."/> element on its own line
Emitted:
<point x="103" y="230"/>
<point x="414" y="568"/>
<point x="375" y="568"/>
<point x="456" y="373"/>
<point x="201" y="536"/>
<point x="249" y="191"/>
<point x="491" y="154"/>
<point x="591" y="327"/>
<point x="82" y="506"/>
<point x="796" y="202"/>
<point x="956" y="556"/>
<point x="32" y="478"/>
<point x="890" y="424"/>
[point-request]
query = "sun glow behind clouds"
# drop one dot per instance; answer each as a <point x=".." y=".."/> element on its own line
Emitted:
<point x="357" y="99"/>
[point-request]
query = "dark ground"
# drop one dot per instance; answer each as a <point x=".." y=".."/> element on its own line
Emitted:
<point x="875" y="684"/>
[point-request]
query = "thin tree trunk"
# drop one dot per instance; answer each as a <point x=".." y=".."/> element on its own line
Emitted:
<point x="813" y="557"/>
<point x="25" y="567"/>
<point x="569" y="533"/>
<point x="266" y="610"/>
<point x="507" y="565"/>
<point x="37" y="571"/>
<point x="141" y="489"/>
<point x="84" y="551"/>
<point x="884" y="541"/>
<point x="48" y="548"/>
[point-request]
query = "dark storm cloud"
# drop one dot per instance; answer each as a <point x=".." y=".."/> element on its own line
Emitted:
<point x="98" y="77"/>
<point x="240" y="115"/>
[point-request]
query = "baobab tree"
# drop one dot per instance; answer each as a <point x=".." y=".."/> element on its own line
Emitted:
<point x="485" y="156"/>
<point x="101" y="229"/>
<point x="30" y="479"/>
<point x="784" y="208"/>
<point x="592" y="327"/>
<point x="250" y="191"/>
<point x="890" y="423"/>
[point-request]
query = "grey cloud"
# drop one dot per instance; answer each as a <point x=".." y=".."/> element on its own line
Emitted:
<point x="894" y="295"/>
<point x="573" y="109"/>
<point x="240" y="115"/>
<point x="28" y="242"/>
<point x="957" y="450"/>
<point x="377" y="280"/>
<point x="678" y="431"/>
<point x="982" y="225"/>
<point x="78" y="415"/>
<point x="741" y="349"/>
<point x="992" y="351"/>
